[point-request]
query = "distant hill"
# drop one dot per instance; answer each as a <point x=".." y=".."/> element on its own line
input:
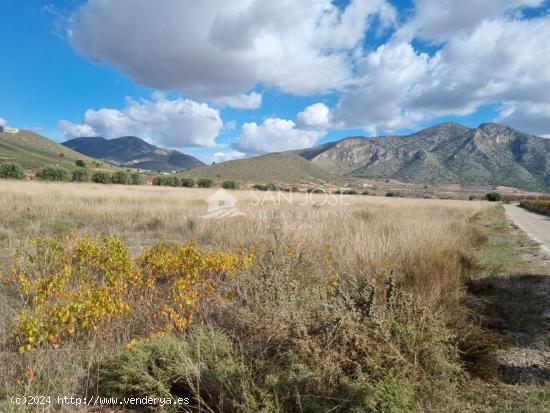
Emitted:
<point x="33" y="151"/>
<point x="133" y="152"/>
<point x="491" y="154"/>
<point x="271" y="168"/>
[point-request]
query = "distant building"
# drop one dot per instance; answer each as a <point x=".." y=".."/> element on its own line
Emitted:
<point x="11" y="130"/>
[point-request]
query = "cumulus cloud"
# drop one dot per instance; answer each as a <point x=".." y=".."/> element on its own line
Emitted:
<point x="227" y="156"/>
<point x="438" y="20"/>
<point x="218" y="48"/>
<point x="275" y="135"/>
<point x="315" y="116"/>
<point x="501" y="60"/>
<point x="528" y="117"/>
<point x="170" y="123"/>
<point x="76" y="130"/>
<point x="243" y="101"/>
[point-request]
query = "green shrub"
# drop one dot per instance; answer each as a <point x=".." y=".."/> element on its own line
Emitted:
<point x="80" y="175"/>
<point x="121" y="178"/>
<point x="391" y="395"/>
<point x="11" y="170"/>
<point x="187" y="182"/>
<point x="53" y="173"/>
<point x="392" y="194"/>
<point x="266" y="187"/>
<point x="101" y="177"/>
<point x="166" y="180"/>
<point x="205" y="183"/>
<point x="493" y="197"/>
<point x="230" y="185"/>
<point x="205" y="364"/>
<point x="80" y="163"/>
<point x="136" y="179"/>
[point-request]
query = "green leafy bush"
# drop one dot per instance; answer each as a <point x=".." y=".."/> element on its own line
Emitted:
<point x="80" y="175"/>
<point x="392" y="194"/>
<point x="230" y="185"/>
<point x="166" y="180"/>
<point x="136" y="179"/>
<point x="101" y="177"/>
<point x="205" y="368"/>
<point x="205" y="183"/>
<point x="121" y="178"/>
<point x="11" y="170"/>
<point x="187" y="182"/>
<point x="53" y="173"/>
<point x="493" y="197"/>
<point x="80" y="163"/>
<point x="265" y="187"/>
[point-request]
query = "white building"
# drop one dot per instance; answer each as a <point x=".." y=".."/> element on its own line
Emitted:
<point x="11" y="130"/>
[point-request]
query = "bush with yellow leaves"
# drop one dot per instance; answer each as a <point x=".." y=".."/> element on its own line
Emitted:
<point x="72" y="288"/>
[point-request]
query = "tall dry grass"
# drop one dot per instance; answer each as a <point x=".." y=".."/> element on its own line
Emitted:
<point x="315" y="257"/>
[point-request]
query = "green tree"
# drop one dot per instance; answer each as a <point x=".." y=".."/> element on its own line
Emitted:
<point x="80" y="163"/>
<point x="230" y="185"/>
<point x="205" y="183"/>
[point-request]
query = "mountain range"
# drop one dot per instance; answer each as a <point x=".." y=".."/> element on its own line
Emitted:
<point x="133" y="152"/>
<point x="491" y="154"/>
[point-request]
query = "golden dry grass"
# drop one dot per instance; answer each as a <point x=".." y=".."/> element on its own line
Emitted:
<point x="424" y="246"/>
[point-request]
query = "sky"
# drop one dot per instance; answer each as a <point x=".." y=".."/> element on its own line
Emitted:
<point x="224" y="79"/>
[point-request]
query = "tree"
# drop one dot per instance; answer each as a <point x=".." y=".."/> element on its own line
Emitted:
<point x="80" y="163"/>
<point x="205" y="183"/>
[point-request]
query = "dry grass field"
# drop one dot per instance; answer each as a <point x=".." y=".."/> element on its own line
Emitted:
<point x="348" y="303"/>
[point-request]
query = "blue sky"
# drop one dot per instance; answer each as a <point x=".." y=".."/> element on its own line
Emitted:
<point x="222" y="80"/>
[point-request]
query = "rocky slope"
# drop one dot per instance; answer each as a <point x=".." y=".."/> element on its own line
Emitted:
<point x="491" y="154"/>
<point x="133" y="152"/>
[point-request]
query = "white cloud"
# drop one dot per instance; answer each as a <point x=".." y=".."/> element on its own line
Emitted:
<point x="315" y="116"/>
<point x="528" y="117"/>
<point x="438" y="20"/>
<point x="502" y="60"/>
<point x="218" y="48"/>
<point x="227" y="156"/>
<point x="243" y="101"/>
<point x="3" y="122"/>
<point x="275" y="135"/>
<point x="73" y="130"/>
<point x="388" y="77"/>
<point x="170" y="123"/>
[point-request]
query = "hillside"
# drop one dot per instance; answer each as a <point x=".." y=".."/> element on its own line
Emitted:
<point x="133" y="152"/>
<point x="274" y="167"/>
<point x="33" y="151"/>
<point x="491" y="154"/>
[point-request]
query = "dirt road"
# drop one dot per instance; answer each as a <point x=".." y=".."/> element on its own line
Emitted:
<point x="535" y="225"/>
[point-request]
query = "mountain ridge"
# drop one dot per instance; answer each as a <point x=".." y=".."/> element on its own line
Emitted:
<point x="133" y="152"/>
<point x="447" y="153"/>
